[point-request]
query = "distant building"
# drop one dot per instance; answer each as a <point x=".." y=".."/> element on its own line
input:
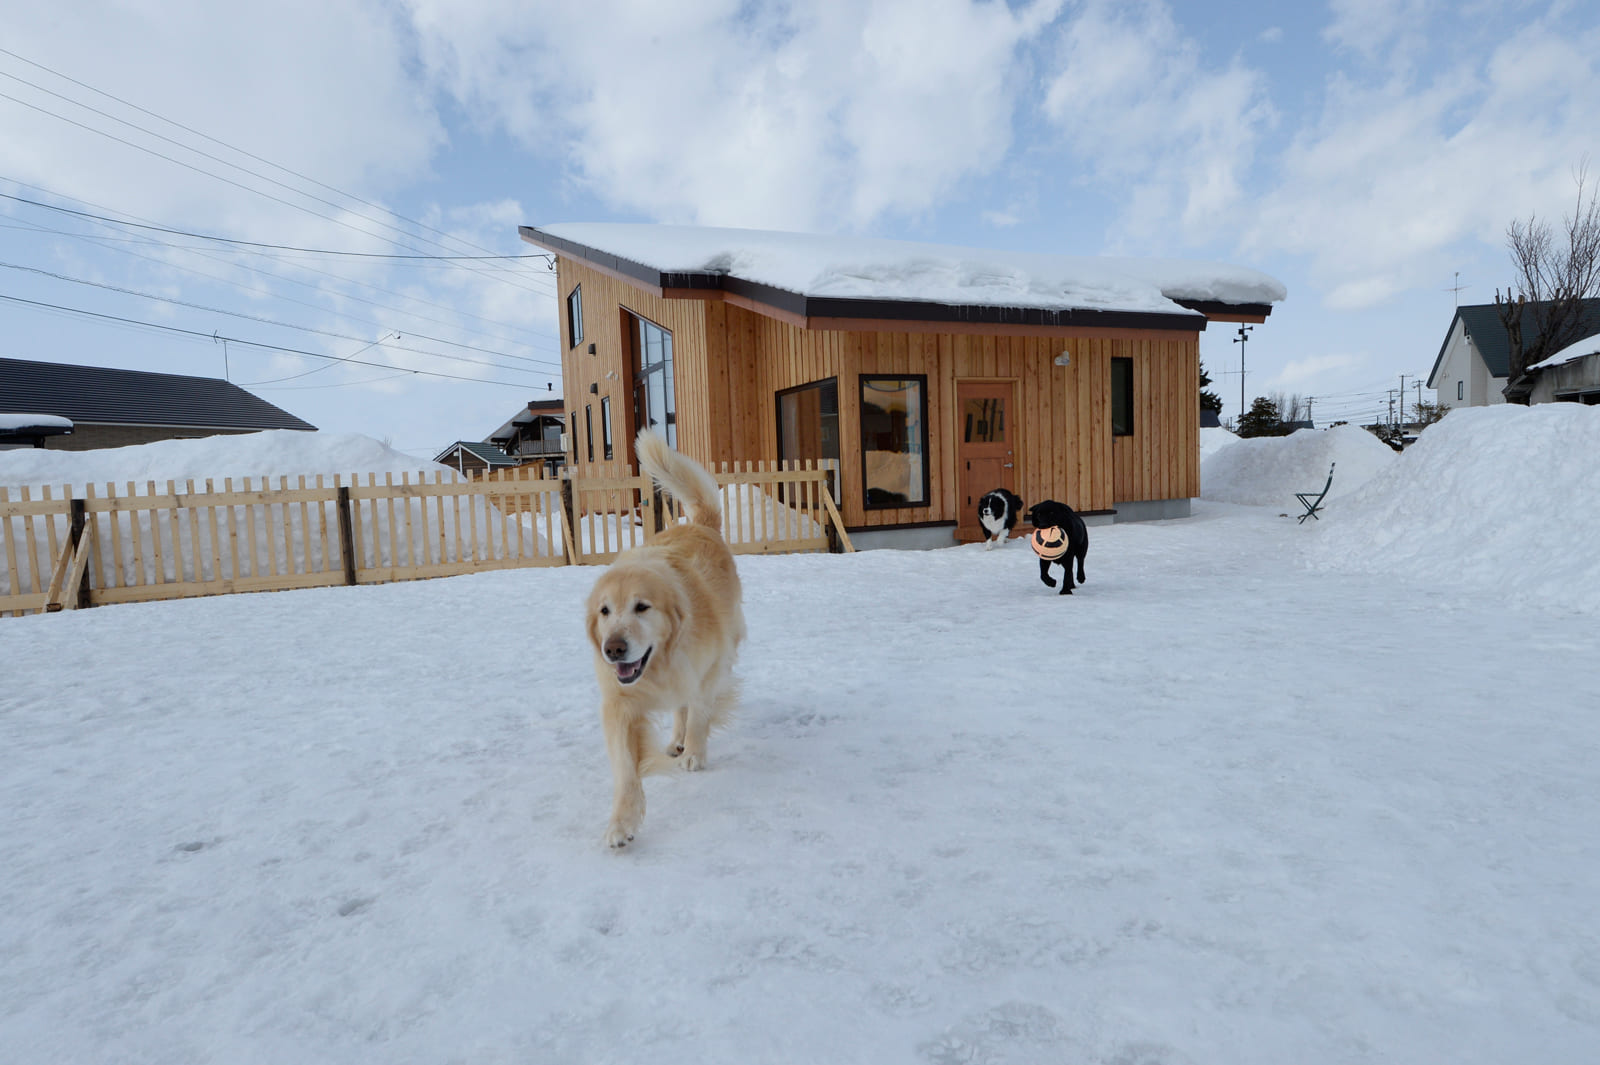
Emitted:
<point x="114" y="408"/>
<point x="468" y="456"/>
<point x="1473" y="366"/>
<point x="1571" y="375"/>
<point x="534" y="435"/>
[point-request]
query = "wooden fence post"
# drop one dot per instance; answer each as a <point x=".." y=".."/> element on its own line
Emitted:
<point x="80" y="569"/>
<point x="834" y="546"/>
<point x="569" y="548"/>
<point x="347" y="540"/>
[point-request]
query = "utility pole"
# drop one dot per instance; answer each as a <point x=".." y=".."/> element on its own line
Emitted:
<point x="1241" y="339"/>
<point x="1310" y="400"/>
<point x="1403" y="401"/>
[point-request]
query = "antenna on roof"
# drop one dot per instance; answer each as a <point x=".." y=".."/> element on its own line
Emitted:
<point x="1456" y="288"/>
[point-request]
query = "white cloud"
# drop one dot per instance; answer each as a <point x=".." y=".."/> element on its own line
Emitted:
<point x="1302" y="374"/>
<point x="1396" y="178"/>
<point x="1136" y="105"/>
<point x="332" y="101"/>
<point x="819" y="116"/>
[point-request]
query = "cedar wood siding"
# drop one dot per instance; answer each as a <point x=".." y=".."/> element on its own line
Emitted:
<point x="731" y="362"/>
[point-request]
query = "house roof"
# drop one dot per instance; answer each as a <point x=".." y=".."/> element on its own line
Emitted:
<point x="98" y="395"/>
<point x="816" y="277"/>
<point x="1579" y="349"/>
<point x="487" y="453"/>
<point x="1488" y="333"/>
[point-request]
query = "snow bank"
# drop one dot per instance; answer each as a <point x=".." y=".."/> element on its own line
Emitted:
<point x="1502" y="498"/>
<point x="1268" y="471"/>
<point x="1215" y="439"/>
<point x="278" y="452"/>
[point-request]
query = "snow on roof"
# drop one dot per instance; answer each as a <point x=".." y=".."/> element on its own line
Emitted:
<point x="877" y="269"/>
<point x="1589" y="345"/>
<point x="10" y="421"/>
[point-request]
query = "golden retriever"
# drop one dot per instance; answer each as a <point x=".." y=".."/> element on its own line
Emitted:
<point x="666" y="620"/>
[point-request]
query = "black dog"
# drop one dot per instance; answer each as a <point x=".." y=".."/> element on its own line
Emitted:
<point x="997" y="513"/>
<point x="1050" y="513"/>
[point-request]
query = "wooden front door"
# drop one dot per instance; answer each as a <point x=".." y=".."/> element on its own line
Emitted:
<point x="986" y="447"/>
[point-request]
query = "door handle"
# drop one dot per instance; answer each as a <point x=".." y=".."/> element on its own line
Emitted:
<point x="1007" y="465"/>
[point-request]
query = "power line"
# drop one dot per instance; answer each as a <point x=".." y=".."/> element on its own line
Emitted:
<point x="241" y="151"/>
<point x="290" y="280"/>
<point x="258" y="318"/>
<point x="219" y="177"/>
<point x="255" y="244"/>
<point x="250" y="343"/>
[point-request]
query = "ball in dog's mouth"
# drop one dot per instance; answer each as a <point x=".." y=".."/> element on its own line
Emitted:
<point x="628" y="672"/>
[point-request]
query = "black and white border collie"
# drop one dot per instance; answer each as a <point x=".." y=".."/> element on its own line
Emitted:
<point x="998" y="512"/>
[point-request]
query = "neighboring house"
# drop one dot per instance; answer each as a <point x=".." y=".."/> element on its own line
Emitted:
<point x="925" y="375"/>
<point x="1571" y="375"/>
<point x="1474" y="362"/>
<point x="114" y="408"/>
<point x="533" y="435"/>
<point x="468" y="456"/>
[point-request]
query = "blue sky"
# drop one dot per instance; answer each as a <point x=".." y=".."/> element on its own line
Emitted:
<point x="1361" y="151"/>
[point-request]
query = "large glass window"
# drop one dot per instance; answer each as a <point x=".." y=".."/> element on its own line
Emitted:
<point x="1121" y="397"/>
<point x="655" y="402"/>
<point x="588" y="428"/>
<point x="575" y="317"/>
<point x="808" y="425"/>
<point x="894" y="441"/>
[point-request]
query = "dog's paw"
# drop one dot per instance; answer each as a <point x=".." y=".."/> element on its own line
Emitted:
<point x="674" y="749"/>
<point x="694" y="762"/>
<point x="1049" y="582"/>
<point x="617" y="837"/>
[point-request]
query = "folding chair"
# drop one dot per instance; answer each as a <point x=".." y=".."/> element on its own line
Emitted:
<point x="1313" y="503"/>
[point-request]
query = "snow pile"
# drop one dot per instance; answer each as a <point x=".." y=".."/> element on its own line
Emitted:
<point x="277" y="452"/>
<point x="1214" y="439"/>
<point x="1505" y="499"/>
<point x="1268" y="471"/>
<point x="874" y="268"/>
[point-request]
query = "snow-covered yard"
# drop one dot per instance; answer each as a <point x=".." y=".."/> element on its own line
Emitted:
<point x="1259" y="792"/>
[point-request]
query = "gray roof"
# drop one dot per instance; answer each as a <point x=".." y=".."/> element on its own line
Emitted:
<point x="488" y="453"/>
<point x="96" y="395"/>
<point x="1488" y="333"/>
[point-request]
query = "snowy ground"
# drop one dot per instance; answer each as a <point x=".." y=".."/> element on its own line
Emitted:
<point x="1246" y="797"/>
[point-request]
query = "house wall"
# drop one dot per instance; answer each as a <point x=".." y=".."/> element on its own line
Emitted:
<point x="731" y="362"/>
<point x="1579" y="378"/>
<point x="605" y="299"/>
<point x="88" y="437"/>
<point x="1462" y="363"/>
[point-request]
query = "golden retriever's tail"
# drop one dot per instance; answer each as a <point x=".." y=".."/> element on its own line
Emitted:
<point x="682" y="478"/>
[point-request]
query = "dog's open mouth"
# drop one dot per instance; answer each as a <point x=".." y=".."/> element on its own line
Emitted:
<point x="628" y="672"/>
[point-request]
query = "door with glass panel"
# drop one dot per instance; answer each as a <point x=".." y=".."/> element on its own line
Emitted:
<point x="985" y="447"/>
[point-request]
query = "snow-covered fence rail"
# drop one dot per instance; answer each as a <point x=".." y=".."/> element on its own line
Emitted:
<point x="60" y="550"/>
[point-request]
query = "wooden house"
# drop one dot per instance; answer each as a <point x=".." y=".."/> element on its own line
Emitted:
<point x="926" y="375"/>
